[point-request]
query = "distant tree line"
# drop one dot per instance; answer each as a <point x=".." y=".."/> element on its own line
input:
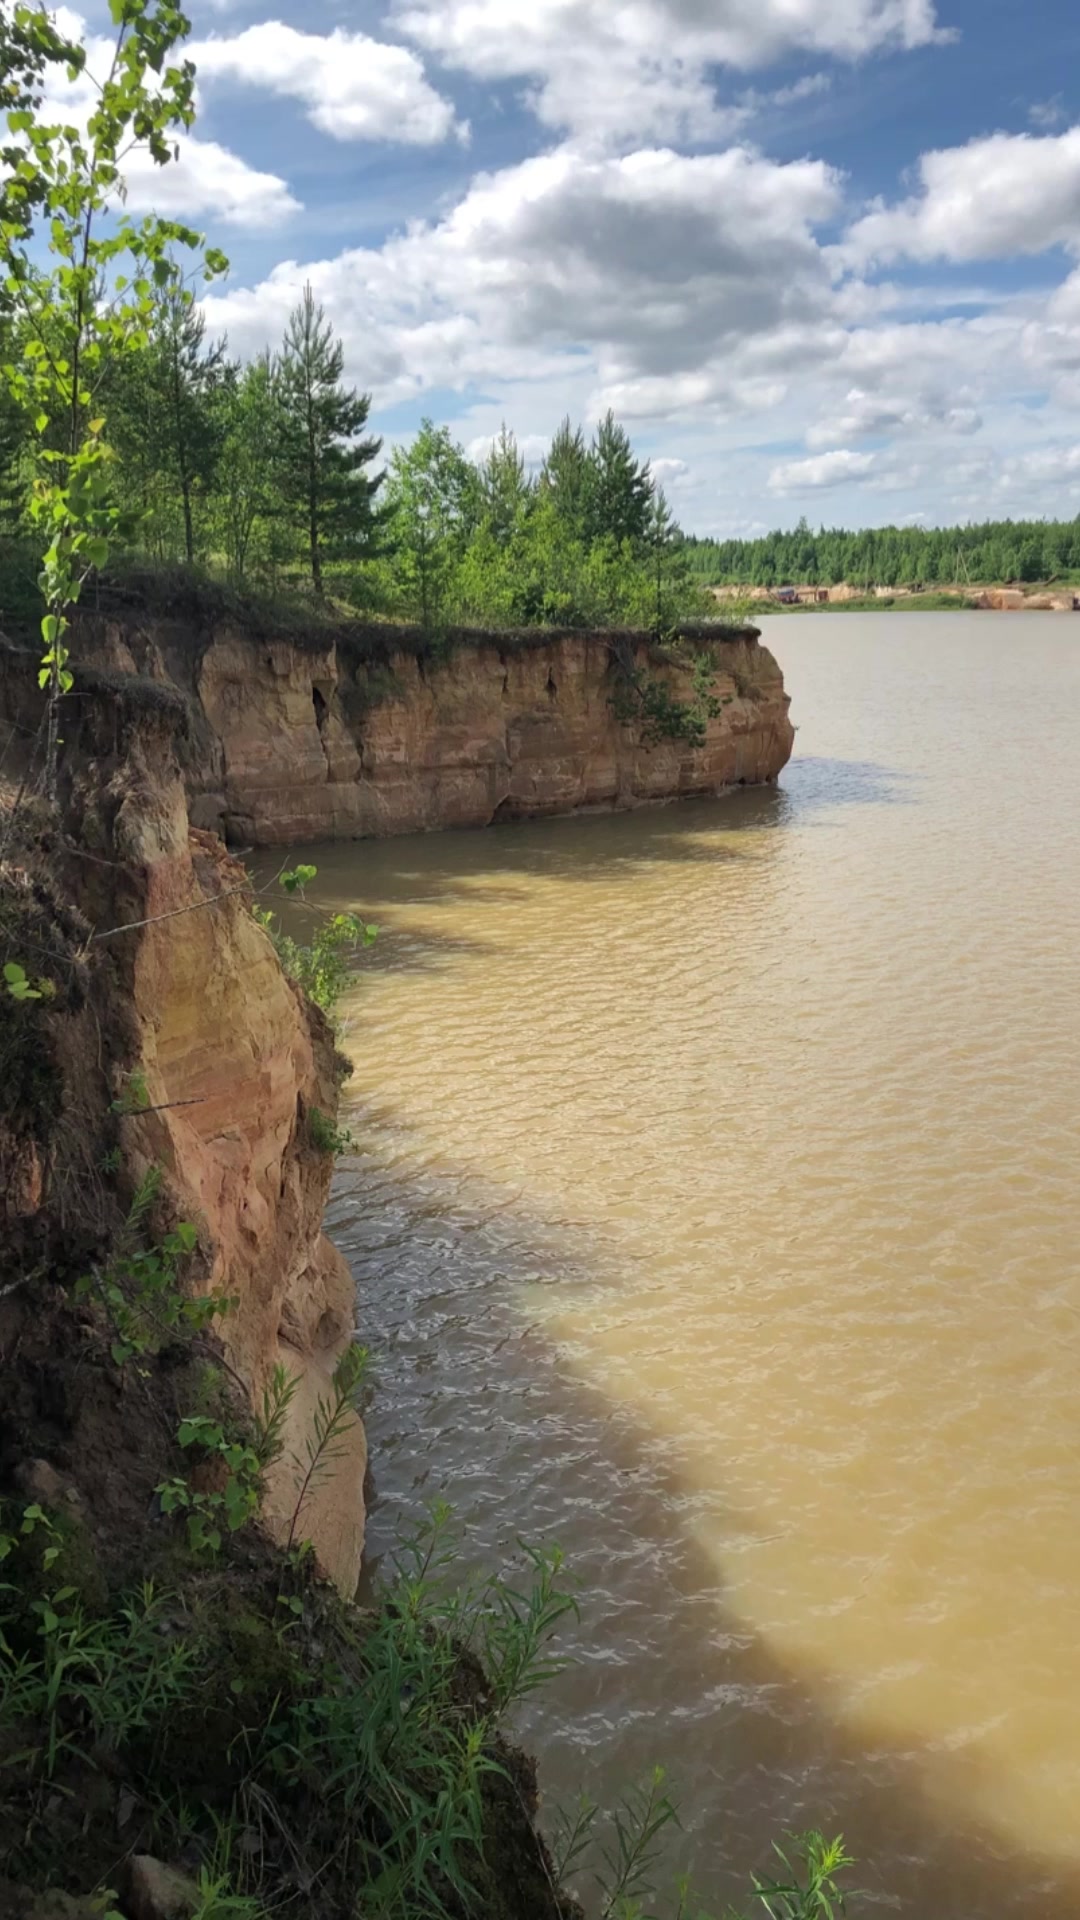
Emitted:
<point x="996" y="551"/>
<point x="265" y="474"/>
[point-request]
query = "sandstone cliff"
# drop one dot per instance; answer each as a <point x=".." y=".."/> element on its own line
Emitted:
<point x="229" y="1058"/>
<point x="365" y="731"/>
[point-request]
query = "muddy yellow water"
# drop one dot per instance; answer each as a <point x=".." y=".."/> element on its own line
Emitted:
<point x="715" y="1215"/>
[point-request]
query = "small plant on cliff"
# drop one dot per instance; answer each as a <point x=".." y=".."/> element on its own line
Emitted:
<point x="236" y="1468"/>
<point x="642" y="700"/>
<point x="225" y="1490"/>
<point x="135" y="1095"/>
<point x="622" y="1861"/>
<point x="21" y="987"/>
<point x="75" y="1684"/>
<point x="141" y="1289"/>
<point x="335" y="1416"/>
<point x="323" y="968"/>
<point x="326" y="1136"/>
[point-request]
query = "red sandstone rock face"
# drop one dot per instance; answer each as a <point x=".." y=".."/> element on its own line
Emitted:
<point x="313" y="750"/>
<point x="224" y="1029"/>
<point x="188" y="991"/>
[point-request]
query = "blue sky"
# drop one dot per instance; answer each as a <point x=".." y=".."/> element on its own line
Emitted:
<point x="822" y="256"/>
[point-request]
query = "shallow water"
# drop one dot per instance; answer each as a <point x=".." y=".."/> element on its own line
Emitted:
<point x="716" y="1216"/>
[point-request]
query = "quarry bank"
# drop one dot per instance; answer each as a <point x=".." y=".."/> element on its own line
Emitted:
<point x="372" y="730"/>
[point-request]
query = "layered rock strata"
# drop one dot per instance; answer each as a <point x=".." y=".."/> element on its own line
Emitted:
<point x="367" y="734"/>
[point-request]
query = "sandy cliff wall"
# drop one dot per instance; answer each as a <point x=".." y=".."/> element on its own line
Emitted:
<point x="363" y="734"/>
<point x="233" y="1060"/>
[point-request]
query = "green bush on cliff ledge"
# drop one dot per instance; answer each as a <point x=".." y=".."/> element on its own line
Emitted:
<point x="322" y="968"/>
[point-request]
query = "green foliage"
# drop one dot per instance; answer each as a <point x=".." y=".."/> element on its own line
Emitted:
<point x="991" y="551"/>
<point x="69" y="1682"/>
<point x="251" y="530"/>
<point x="89" y="301"/>
<point x="565" y="479"/>
<point x="322" y="968"/>
<point x="334" y="1419"/>
<point x="643" y="701"/>
<point x="808" y="1890"/>
<point x="135" y="1097"/>
<point x="364" y="1746"/>
<point x="167" y="412"/>
<point x="326" y="1135"/>
<point x="141" y="1290"/>
<point x="29" y="1521"/>
<point x="232" y="1467"/>
<point x="623" y="1856"/>
<point x="207" y="1508"/>
<point x="19" y="985"/>
<point x="505" y="491"/>
<point x="619" y="490"/>
<point x="433" y="498"/>
<point x="325" y="490"/>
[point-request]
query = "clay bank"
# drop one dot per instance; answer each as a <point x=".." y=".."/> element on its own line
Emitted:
<point x="372" y="730"/>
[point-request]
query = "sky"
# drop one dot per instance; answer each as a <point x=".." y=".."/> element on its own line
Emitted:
<point x="822" y="257"/>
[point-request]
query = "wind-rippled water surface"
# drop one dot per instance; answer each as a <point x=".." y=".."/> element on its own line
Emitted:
<point x="715" y="1215"/>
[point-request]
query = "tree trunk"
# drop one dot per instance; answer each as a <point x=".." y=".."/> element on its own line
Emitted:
<point x="313" y="505"/>
<point x="181" y="461"/>
<point x="189" y="531"/>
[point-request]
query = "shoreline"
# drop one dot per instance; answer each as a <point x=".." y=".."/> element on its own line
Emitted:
<point x="762" y="601"/>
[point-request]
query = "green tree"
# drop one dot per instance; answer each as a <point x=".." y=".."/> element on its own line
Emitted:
<point x="191" y="390"/>
<point x="166" y="407"/>
<point x="247" y="500"/>
<point x="434" y="500"/>
<point x="324" y="481"/>
<point x="619" y="490"/>
<point x="670" y="575"/>
<point x="505" y="492"/>
<point x="89" y="299"/>
<point x="565" y="478"/>
<point x="14" y="439"/>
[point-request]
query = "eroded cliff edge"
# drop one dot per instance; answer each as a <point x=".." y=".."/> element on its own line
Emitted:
<point x="372" y="730"/>
<point x="161" y="981"/>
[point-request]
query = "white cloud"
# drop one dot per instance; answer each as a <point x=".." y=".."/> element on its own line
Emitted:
<point x="531" y="446"/>
<point x="643" y="69"/>
<point x="658" y="265"/>
<point x="821" y="470"/>
<point x="871" y="415"/>
<point x="996" y="197"/>
<point x="205" y="177"/>
<point x="669" y="472"/>
<point x="1051" y="343"/>
<point x="1046" y="114"/>
<point x="354" y="88"/>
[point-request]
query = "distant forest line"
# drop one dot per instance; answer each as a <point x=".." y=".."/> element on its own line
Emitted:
<point x="997" y="551"/>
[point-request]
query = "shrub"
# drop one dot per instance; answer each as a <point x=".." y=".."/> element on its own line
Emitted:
<point x="323" y="968"/>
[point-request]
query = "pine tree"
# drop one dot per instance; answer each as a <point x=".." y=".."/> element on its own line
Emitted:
<point x="323" y="461"/>
<point x="192" y="383"/>
<point x="166" y="412"/>
<point x="564" y="478"/>
<point x="669" y="563"/>
<point x="619" y="493"/>
<point x="248" y="501"/>
<point x="505" y="492"/>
